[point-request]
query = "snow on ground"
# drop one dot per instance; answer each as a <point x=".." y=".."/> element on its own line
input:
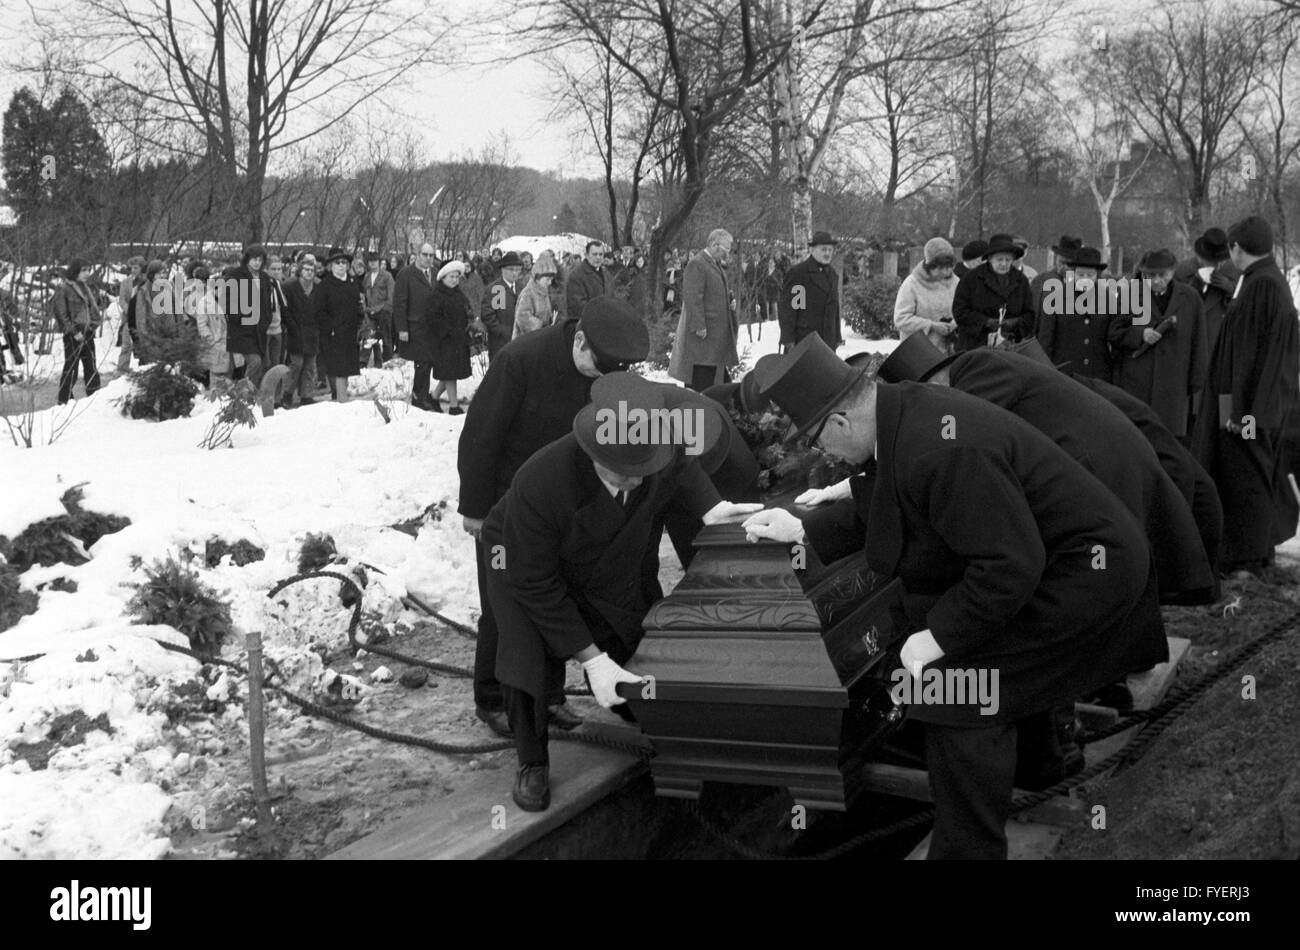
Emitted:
<point x="332" y="468"/>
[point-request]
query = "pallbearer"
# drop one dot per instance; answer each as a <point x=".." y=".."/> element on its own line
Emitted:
<point x="564" y="550"/>
<point x="1014" y="559"/>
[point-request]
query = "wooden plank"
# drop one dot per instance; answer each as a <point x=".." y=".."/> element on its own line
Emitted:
<point x="462" y="826"/>
<point x="1026" y="841"/>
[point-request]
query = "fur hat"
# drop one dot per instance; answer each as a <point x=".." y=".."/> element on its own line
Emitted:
<point x="937" y="247"/>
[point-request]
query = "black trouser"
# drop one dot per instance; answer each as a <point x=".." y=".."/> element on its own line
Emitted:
<point x="704" y="374"/>
<point x="529" y="717"/>
<point x="488" y="691"/>
<point x="78" y="353"/>
<point x="971" y="773"/>
<point x="419" y="393"/>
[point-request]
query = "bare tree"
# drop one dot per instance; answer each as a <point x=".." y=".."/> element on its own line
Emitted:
<point x="1182" y="77"/>
<point x="238" y="73"/>
<point x="1106" y="158"/>
<point x="826" y="60"/>
<point x="1270" y="130"/>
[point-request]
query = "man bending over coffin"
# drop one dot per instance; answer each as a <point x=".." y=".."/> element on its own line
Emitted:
<point x="565" y="547"/>
<point x="1014" y="561"/>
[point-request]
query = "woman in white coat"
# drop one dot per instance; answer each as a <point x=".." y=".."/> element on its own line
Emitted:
<point x="924" y="302"/>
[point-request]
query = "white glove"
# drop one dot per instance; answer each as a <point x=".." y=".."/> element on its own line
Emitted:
<point x="604" y="674"/>
<point x="726" y="512"/>
<point x="919" y="649"/>
<point x="823" y="496"/>
<point x="775" y="524"/>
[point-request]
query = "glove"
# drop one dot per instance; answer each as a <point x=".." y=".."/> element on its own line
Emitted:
<point x="776" y="524"/>
<point x="1150" y="337"/>
<point x="919" y="649"/>
<point x="823" y="496"/>
<point x="604" y="674"/>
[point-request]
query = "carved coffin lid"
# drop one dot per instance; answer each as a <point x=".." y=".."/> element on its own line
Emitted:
<point x="738" y="629"/>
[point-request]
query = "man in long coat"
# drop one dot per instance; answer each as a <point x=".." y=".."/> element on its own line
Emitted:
<point x="417" y="342"/>
<point x="1014" y="560"/>
<point x="1093" y="433"/>
<point x="1165" y="368"/>
<point x="810" y="296"/>
<point x="587" y="280"/>
<point x="499" y="302"/>
<point x="567" y="542"/>
<point x="528" y="399"/>
<point x="705" y="347"/>
<point x="1250" y="393"/>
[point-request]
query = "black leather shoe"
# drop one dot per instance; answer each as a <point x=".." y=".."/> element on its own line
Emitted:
<point x="533" y="788"/>
<point x="496" y="719"/>
<point x="455" y="411"/>
<point x="561" y="718"/>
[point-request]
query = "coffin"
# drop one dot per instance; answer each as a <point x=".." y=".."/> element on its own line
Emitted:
<point x="757" y="681"/>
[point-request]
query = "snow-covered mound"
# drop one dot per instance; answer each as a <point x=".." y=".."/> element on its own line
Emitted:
<point x="90" y="763"/>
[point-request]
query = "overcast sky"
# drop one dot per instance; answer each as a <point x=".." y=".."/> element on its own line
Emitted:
<point x="462" y="109"/>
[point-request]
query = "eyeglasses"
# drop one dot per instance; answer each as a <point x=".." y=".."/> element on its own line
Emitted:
<point x="811" y="441"/>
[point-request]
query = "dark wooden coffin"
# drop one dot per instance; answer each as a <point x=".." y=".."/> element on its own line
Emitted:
<point x="757" y="681"/>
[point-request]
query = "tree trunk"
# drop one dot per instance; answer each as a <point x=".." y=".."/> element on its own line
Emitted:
<point x="800" y="217"/>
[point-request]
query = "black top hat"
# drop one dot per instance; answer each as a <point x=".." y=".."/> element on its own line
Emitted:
<point x="336" y="254"/>
<point x="1067" y="246"/>
<point x="1004" y="244"/>
<point x="1162" y="259"/>
<point x="615" y="332"/>
<point x="510" y="259"/>
<point x="915" y="359"/>
<point x="715" y="438"/>
<point x="806" y="383"/>
<point x="821" y="237"/>
<point x="1212" y="245"/>
<point x="614" y="397"/>
<point x="1083" y="257"/>
<point x="973" y="250"/>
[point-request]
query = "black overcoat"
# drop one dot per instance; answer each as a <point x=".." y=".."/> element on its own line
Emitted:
<point x="338" y="315"/>
<point x="247" y="314"/>
<point x="977" y="299"/>
<point x="1193" y="482"/>
<point x="301" y="329"/>
<point x="570" y="568"/>
<point x="411" y="297"/>
<point x="448" y="320"/>
<point x="995" y="534"/>
<point x="527" y="398"/>
<point x="816" y="291"/>
<point x="1099" y="437"/>
<point x="1168" y="375"/>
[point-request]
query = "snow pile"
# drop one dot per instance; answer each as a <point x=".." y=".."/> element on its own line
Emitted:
<point x="116" y="787"/>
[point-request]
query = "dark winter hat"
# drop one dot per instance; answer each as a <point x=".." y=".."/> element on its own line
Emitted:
<point x="1160" y="260"/>
<point x="1085" y="257"/>
<point x="807" y="383"/>
<point x="820" y="238"/>
<point x="251" y="251"/>
<point x="615" y="332"/>
<point x="715" y="439"/>
<point x="75" y="267"/>
<point x="510" y="259"/>
<point x="374" y="256"/>
<point x="1253" y="235"/>
<point x="1004" y="244"/>
<point x="1212" y="245"/>
<point x="615" y="397"/>
<point x="337" y="254"/>
<point x="915" y="359"/>
<point x="1067" y="246"/>
<point x="974" y="250"/>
